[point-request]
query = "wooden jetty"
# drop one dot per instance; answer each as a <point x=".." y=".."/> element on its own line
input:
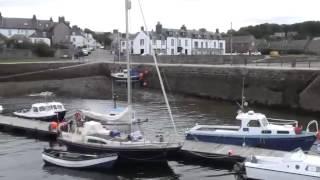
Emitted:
<point x="27" y="125"/>
<point x="225" y="151"/>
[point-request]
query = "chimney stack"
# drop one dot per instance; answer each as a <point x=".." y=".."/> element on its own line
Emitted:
<point x="159" y="28"/>
<point x="217" y="31"/>
<point x="142" y="28"/>
<point x="61" y="19"/>
<point x="0" y="18"/>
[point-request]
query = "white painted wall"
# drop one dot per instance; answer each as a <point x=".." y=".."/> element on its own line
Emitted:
<point x="77" y="40"/>
<point x="141" y="42"/>
<point x="10" y="32"/>
<point x="38" y="40"/>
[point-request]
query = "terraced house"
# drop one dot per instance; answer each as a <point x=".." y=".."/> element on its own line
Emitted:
<point x="176" y="42"/>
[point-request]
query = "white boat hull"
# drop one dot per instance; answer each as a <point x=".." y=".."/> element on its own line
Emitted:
<point x="107" y="162"/>
<point x="257" y="173"/>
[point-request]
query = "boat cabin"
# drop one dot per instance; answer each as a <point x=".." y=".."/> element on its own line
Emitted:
<point x="257" y="123"/>
<point x="45" y="107"/>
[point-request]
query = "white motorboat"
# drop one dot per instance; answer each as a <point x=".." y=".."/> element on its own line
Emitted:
<point x="1" y="108"/>
<point x="123" y="75"/>
<point x="77" y="160"/>
<point x="256" y="131"/>
<point x="50" y="111"/>
<point x="293" y="166"/>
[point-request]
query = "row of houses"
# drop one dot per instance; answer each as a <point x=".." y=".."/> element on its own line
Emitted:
<point x="171" y="42"/>
<point x="44" y="31"/>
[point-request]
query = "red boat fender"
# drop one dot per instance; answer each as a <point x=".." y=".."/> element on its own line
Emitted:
<point x="298" y="130"/>
<point x="53" y="125"/>
<point x="318" y="135"/>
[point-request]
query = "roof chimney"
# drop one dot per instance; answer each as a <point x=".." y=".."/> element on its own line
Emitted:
<point x="61" y="19"/>
<point x="51" y="20"/>
<point x="142" y="28"/>
<point x="115" y="31"/>
<point x="217" y="31"/>
<point x="159" y="28"/>
<point x="0" y="18"/>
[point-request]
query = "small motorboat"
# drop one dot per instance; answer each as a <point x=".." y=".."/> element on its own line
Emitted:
<point x="77" y="160"/>
<point x="50" y="111"/>
<point x="123" y="75"/>
<point x="293" y="166"/>
<point x="1" y="108"/>
<point x="256" y="131"/>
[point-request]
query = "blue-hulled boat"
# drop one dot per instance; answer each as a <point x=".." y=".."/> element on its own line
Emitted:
<point x="255" y="131"/>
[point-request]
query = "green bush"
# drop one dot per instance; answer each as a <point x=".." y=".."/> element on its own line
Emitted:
<point x="43" y="50"/>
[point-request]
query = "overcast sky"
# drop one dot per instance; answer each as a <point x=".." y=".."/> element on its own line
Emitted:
<point x="106" y="15"/>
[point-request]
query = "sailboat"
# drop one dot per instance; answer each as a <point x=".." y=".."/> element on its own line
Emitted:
<point x="131" y="146"/>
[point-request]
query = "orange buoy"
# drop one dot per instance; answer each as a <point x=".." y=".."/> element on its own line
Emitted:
<point x="54" y="125"/>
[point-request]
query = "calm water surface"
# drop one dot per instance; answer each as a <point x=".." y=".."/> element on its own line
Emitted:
<point x="20" y="157"/>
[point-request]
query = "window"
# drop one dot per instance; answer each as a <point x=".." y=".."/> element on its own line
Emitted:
<point x="186" y="43"/>
<point x="283" y="132"/>
<point x="123" y="43"/>
<point x="201" y="44"/>
<point x="254" y="123"/>
<point x="74" y="39"/>
<point x="154" y="42"/>
<point x="42" y="108"/>
<point x="141" y="42"/>
<point x="59" y="107"/>
<point x="206" y="45"/>
<point x="266" y="132"/>
<point x="35" y="109"/>
<point x="95" y="141"/>
<point x="196" y="44"/>
<point x="313" y="168"/>
<point x="215" y="45"/>
<point x="163" y="42"/>
<point x="172" y="42"/>
<point x="221" y="45"/>
<point x="179" y="42"/>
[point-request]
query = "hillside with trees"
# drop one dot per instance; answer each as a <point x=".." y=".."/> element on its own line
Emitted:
<point x="305" y="30"/>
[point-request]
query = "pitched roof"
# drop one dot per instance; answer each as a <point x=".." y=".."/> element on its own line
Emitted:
<point x="25" y="23"/>
<point x="39" y="34"/>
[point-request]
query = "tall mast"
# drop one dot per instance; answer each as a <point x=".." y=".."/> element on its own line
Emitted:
<point x="128" y="7"/>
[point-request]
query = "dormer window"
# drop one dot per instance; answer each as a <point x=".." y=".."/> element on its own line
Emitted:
<point x="26" y="24"/>
<point x="254" y="123"/>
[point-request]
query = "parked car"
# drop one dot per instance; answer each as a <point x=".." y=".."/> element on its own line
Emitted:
<point x="85" y="52"/>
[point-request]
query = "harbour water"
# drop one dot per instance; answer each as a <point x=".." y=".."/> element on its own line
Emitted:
<point x="20" y="156"/>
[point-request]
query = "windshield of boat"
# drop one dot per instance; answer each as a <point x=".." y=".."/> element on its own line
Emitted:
<point x="42" y="108"/>
<point x="35" y="109"/>
<point x="264" y="122"/>
<point x="59" y="106"/>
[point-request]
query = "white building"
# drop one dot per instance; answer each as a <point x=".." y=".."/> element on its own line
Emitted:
<point x="77" y="37"/>
<point x="176" y="42"/>
<point x="40" y="37"/>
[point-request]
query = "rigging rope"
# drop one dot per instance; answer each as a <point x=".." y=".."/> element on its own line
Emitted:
<point x="158" y="71"/>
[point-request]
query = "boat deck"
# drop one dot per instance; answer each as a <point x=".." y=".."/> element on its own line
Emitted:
<point x="214" y="150"/>
<point x="28" y="125"/>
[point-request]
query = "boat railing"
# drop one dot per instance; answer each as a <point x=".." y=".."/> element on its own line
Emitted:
<point x="311" y="123"/>
<point x="283" y="121"/>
